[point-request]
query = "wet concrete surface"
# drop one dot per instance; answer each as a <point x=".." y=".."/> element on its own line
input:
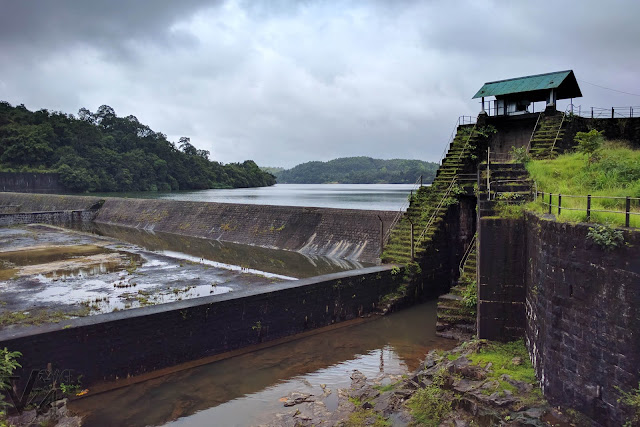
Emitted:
<point x="48" y="274"/>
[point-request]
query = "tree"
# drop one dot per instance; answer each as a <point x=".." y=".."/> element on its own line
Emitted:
<point x="590" y="143"/>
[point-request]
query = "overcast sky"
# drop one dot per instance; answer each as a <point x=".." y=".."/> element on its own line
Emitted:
<point x="285" y="82"/>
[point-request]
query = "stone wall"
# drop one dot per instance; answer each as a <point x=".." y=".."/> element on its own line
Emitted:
<point x="30" y="182"/>
<point x="583" y="317"/>
<point x="132" y="342"/>
<point x="340" y="233"/>
<point x="577" y="305"/>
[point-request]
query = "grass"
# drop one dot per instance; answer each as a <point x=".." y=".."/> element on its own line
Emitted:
<point x="429" y="405"/>
<point x="614" y="173"/>
<point x="500" y="355"/>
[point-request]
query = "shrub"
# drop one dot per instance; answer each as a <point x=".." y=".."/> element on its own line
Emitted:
<point x="605" y="236"/>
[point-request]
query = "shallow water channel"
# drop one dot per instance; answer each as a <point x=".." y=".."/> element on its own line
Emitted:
<point x="246" y="390"/>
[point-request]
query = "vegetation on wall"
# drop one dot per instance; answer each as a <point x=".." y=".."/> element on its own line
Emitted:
<point x="103" y="152"/>
<point x="611" y="169"/>
<point x="358" y="170"/>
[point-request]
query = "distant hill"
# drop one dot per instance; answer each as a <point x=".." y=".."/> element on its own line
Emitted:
<point x="103" y="152"/>
<point x="358" y="170"/>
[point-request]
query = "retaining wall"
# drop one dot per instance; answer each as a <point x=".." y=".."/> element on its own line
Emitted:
<point x="30" y="182"/>
<point x="340" y="233"/>
<point x="133" y="342"/>
<point x="576" y="304"/>
<point x="583" y="317"/>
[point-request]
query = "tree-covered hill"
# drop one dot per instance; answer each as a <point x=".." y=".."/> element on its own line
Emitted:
<point x="359" y="170"/>
<point x="103" y="152"/>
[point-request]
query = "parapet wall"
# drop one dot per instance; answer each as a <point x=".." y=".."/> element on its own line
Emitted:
<point x="133" y="342"/>
<point x="341" y="233"/>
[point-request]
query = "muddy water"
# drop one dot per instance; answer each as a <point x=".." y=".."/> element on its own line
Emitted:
<point x="245" y="390"/>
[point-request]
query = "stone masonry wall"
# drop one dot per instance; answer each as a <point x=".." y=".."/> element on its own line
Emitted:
<point x="132" y="342"/>
<point x="341" y="233"/>
<point x="583" y="317"/>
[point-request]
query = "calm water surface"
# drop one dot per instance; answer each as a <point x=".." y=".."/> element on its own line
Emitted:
<point x="245" y="390"/>
<point x="344" y="196"/>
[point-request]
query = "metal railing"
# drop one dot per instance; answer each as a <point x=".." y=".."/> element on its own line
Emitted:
<point x="470" y="249"/>
<point x="535" y="128"/>
<point x="564" y="115"/>
<point x="547" y="200"/>
<point x="462" y="120"/>
<point x="604" y="113"/>
<point x="402" y="210"/>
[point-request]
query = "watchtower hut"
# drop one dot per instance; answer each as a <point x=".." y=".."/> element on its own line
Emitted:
<point x="514" y="96"/>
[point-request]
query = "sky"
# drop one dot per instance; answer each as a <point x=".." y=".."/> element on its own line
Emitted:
<point x="284" y="82"/>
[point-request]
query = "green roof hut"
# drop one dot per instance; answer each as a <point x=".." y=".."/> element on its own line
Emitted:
<point x="514" y="96"/>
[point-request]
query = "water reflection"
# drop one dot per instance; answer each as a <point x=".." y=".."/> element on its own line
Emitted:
<point x="243" y="389"/>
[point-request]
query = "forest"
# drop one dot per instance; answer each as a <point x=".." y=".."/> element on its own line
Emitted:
<point x="103" y="152"/>
<point x="358" y="170"/>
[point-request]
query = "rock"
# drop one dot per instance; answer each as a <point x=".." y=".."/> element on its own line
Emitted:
<point x="517" y="361"/>
<point x="520" y="385"/>
<point x="464" y="385"/>
<point x="296" y="398"/>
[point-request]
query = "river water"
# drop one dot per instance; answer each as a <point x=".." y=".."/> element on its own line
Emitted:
<point x="381" y="197"/>
<point x="247" y="389"/>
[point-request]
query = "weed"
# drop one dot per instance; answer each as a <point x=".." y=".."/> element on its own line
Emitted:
<point x="605" y="236"/>
<point x="428" y="405"/>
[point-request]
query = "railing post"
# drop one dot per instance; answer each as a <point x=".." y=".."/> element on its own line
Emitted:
<point x="588" y="207"/>
<point x="592" y="112"/>
<point x="559" y="203"/>
<point x="627" y="211"/>
<point x="630" y="111"/>
<point x="550" y="198"/>
<point x="420" y="180"/>
<point x="412" y="250"/>
<point x="612" y="112"/>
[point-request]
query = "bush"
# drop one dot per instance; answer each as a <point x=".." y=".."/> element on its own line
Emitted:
<point x="605" y="236"/>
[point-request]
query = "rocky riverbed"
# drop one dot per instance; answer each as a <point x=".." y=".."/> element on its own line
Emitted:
<point x="478" y="383"/>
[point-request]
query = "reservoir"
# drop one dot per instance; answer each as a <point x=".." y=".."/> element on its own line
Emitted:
<point x="383" y="197"/>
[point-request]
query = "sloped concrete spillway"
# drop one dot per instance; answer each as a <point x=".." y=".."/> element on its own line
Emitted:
<point x="49" y="274"/>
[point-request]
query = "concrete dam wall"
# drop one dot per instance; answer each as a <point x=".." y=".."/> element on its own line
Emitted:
<point x="338" y="233"/>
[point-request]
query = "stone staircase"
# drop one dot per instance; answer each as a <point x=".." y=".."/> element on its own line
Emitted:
<point x="429" y="204"/>
<point x="509" y="183"/>
<point x="543" y="142"/>
<point x="456" y="320"/>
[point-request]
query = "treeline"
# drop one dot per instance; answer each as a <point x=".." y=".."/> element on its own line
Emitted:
<point x="103" y="152"/>
<point x="359" y="170"/>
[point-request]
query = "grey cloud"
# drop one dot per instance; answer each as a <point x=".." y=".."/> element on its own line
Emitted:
<point x="283" y="82"/>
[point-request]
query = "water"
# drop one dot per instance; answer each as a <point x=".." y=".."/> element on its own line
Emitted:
<point x="246" y="390"/>
<point x="344" y="196"/>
